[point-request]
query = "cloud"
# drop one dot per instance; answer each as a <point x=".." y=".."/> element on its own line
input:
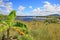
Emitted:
<point x="37" y="10"/>
<point x="6" y="7"/>
<point x="9" y="3"/>
<point x="1" y="3"/>
<point x="48" y="6"/>
<point x="9" y="8"/>
<point x="46" y="2"/>
<point x="52" y="9"/>
<point x="47" y="9"/>
<point x="21" y="8"/>
<point x="23" y="14"/>
<point x="58" y="9"/>
<point x="30" y="7"/>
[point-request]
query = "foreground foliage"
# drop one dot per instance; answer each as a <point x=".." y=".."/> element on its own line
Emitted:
<point x="8" y="24"/>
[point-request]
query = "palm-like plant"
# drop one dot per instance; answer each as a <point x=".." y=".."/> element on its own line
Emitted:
<point x="8" y="24"/>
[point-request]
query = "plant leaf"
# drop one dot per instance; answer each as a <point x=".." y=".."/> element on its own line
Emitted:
<point x="17" y="29"/>
<point x="21" y="25"/>
<point x="3" y="22"/>
<point x="3" y="25"/>
<point x="11" y="17"/>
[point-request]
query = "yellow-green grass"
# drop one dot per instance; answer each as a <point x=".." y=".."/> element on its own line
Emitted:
<point x="40" y="31"/>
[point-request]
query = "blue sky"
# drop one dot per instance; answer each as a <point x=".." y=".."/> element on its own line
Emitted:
<point x="33" y="3"/>
<point x="30" y="7"/>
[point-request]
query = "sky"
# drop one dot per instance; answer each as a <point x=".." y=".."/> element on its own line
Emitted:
<point x="30" y="7"/>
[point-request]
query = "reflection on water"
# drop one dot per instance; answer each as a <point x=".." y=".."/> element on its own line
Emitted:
<point x="30" y="18"/>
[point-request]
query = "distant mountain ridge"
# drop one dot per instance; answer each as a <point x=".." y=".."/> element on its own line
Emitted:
<point x="54" y="15"/>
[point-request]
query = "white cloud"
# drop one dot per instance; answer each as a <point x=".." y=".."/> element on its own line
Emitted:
<point x="30" y="7"/>
<point x="24" y="14"/>
<point x="52" y="9"/>
<point x="9" y="3"/>
<point x="1" y="3"/>
<point x="47" y="9"/>
<point x="9" y="8"/>
<point x="58" y="9"/>
<point x="46" y="2"/>
<point x="6" y="7"/>
<point x="20" y="11"/>
<point x="37" y="10"/>
<point x="21" y="8"/>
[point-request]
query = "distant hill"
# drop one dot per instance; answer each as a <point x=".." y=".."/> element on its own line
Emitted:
<point x="54" y="15"/>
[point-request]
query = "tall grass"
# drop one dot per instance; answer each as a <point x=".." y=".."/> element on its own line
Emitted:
<point x="40" y="31"/>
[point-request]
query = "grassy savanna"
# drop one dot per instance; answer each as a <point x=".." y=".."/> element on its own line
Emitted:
<point x="41" y="30"/>
<point x="11" y="29"/>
